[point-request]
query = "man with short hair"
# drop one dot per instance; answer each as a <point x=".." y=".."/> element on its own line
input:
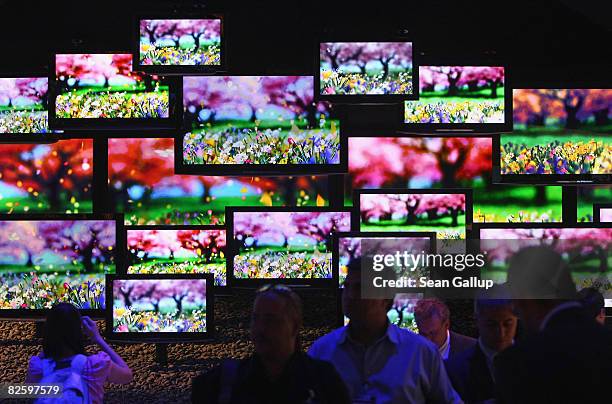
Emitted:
<point x="380" y="362"/>
<point x="433" y="321"/>
<point x="471" y="371"/>
<point x="278" y="372"/>
<point x="567" y="357"/>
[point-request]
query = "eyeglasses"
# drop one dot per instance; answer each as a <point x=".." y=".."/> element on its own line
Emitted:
<point x="274" y="287"/>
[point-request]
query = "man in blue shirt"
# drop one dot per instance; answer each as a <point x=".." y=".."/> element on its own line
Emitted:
<point x="378" y="361"/>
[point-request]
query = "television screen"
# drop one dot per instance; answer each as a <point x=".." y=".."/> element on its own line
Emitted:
<point x="349" y="246"/>
<point x="143" y="186"/>
<point x="285" y="244"/>
<point x="156" y="304"/>
<point x="185" y="250"/>
<point x="23" y="105"/>
<point x="44" y="262"/>
<point x="180" y="42"/>
<point x="602" y="213"/>
<point x="47" y="177"/>
<point x="447" y="162"/>
<point x="586" y="249"/>
<point x="239" y="123"/>
<point x="445" y="213"/>
<point x="451" y="95"/>
<point x="559" y="134"/>
<point x="104" y="87"/>
<point x="365" y="68"/>
<point x="402" y="311"/>
<point x="588" y="196"/>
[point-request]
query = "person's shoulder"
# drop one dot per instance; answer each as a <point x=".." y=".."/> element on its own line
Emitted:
<point x="328" y="340"/>
<point x="461" y="359"/>
<point x="407" y="337"/>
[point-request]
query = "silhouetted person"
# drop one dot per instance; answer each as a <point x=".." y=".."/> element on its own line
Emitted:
<point x="433" y="321"/>
<point x="593" y="302"/>
<point x="378" y="361"/>
<point x="567" y="357"/>
<point x="471" y="371"/>
<point x="63" y="358"/>
<point x="278" y="372"/>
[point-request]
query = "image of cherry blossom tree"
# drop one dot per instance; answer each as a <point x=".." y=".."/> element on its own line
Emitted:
<point x="54" y="178"/>
<point x="159" y="305"/>
<point x="285" y="244"/>
<point x="458" y="94"/>
<point x="23" y="105"/>
<point x="350" y="68"/>
<point x="104" y="86"/>
<point x="257" y="120"/>
<point x="179" y="42"/>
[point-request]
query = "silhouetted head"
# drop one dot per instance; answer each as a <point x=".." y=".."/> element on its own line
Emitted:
<point x="63" y="334"/>
<point x="366" y="313"/>
<point x="495" y="317"/>
<point x="276" y="321"/>
<point x="593" y="302"/>
<point x="433" y="320"/>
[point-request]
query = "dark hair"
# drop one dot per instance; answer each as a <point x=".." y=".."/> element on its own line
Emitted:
<point x="429" y="307"/>
<point x="293" y="304"/>
<point x="592" y="300"/>
<point x="63" y="332"/>
<point x="495" y="297"/>
<point x="355" y="265"/>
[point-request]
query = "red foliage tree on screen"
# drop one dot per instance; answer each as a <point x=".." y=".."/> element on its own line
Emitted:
<point x="66" y="166"/>
<point x="204" y="243"/>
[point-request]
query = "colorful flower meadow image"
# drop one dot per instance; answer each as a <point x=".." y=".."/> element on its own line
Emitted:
<point x="447" y="162"/>
<point x="349" y="248"/>
<point x="50" y="178"/>
<point x="442" y="213"/>
<point x="402" y="312"/>
<point x="180" y="42"/>
<point x="23" y="105"/>
<point x="143" y="186"/>
<point x="289" y="245"/>
<point x="257" y="120"/>
<point x="50" y="261"/>
<point x="159" y="305"/>
<point x="104" y="86"/>
<point x="365" y="68"/>
<point x="586" y="250"/>
<point x="458" y="94"/>
<point x="559" y="131"/>
<point x="180" y="251"/>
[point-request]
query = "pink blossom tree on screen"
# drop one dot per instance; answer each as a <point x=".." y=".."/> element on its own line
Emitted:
<point x="19" y="238"/>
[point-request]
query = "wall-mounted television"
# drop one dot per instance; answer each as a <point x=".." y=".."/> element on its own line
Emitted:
<point x="49" y="259"/>
<point x="177" y="250"/>
<point x="559" y="136"/>
<point x="257" y="124"/>
<point x="101" y="91"/>
<point x="143" y="185"/>
<point x="602" y="213"/>
<point x="366" y="71"/>
<point x="160" y="307"/>
<point x="462" y="98"/>
<point x="50" y="177"/>
<point x="23" y="107"/>
<point x="585" y="247"/>
<point x="180" y="44"/>
<point x="447" y="212"/>
<point x="441" y="161"/>
<point x="347" y="246"/>
<point x="283" y="245"/>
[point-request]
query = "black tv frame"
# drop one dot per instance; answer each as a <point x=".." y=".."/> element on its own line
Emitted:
<point x="106" y="127"/>
<point x="40" y="314"/>
<point x="364" y="98"/>
<point x="463" y="129"/>
<point x="597" y="211"/>
<point x="161" y="337"/>
<point x="204" y="227"/>
<point x="169" y="70"/>
<point x="180" y="167"/>
<point x="257" y="282"/>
